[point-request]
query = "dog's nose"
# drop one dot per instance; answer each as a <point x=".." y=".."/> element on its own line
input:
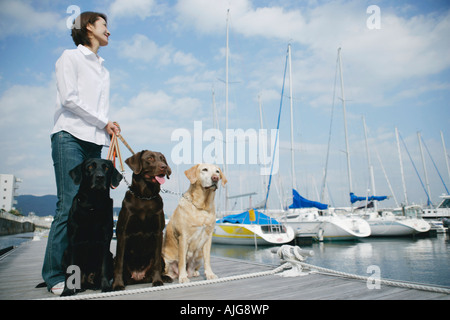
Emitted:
<point x="163" y="167"/>
<point x="215" y="178"/>
<point x="99" y="177"/>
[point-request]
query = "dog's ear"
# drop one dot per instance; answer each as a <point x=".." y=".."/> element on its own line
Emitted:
<point x="191" y="174"/>
<point x="116" y="177"/>
<point x="223" y="178"/>
<point x="77" y="174"/>
<point x="135" y="163"/>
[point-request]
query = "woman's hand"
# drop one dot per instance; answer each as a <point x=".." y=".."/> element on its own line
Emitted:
<point x="112" y="128"/>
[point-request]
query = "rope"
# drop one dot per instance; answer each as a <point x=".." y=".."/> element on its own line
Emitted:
<point x="295" y="257"/>
<point x="292" y="257"/>
<point x="170" y="287"/>
<point x="417" y="172"/>
<point x="434" y="163"/>
<point x="408" y="285"/>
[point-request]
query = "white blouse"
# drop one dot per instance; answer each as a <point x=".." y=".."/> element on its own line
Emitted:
<point x="82" y="101"/>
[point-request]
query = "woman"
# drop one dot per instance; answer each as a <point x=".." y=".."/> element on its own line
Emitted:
<point x="81" y="127"/>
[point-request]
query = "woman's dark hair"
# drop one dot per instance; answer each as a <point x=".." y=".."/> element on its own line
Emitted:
<point x="79" y="28"/>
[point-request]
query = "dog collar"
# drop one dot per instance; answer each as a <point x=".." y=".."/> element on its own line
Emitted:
<point x="143" y="198"/>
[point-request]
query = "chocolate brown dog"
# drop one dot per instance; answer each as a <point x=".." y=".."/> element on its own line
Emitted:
<point x="141" y="223"/>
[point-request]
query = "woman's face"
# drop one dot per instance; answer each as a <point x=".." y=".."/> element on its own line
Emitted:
<point x="99" y="31"/>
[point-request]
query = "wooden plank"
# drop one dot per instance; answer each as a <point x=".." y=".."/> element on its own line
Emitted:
<point x="20" y="272"/>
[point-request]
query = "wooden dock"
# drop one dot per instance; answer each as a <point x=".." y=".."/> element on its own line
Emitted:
<point x="20" y="272"/>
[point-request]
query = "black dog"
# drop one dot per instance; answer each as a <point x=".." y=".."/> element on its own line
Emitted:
<point x="90" y="226"/>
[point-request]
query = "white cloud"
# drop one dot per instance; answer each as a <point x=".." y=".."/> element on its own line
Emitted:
<point x="374" y="60"/>
<point x="155" y="115"/>
<point x="142" y="48"/>
<point x="25" y="126"/>
<point x="131" y="8"/>
<point x="20" y="18"/>
<point x="196" y="82"/>
<point x="186" y="60"/>
<point x="210" y="17"/>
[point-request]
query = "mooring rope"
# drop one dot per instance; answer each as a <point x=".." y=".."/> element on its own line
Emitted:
<point x="296" y="257"/>
<point x="170" y="286"/>
<point x="387" y="282"/>
<point x="292" y="258"/>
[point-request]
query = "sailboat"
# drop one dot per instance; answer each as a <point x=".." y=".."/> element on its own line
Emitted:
<point x="314" y="219"/>
<point x="387" y="223"/>
<point x="251" y="227"/>
<point x="391" y="224"/>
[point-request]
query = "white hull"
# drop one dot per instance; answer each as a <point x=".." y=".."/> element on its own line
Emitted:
<point x="308" y="223"/>
<point x="394" y="228"/>
<point x="247" y="234"/>
<point x="441" y="211"/>
<point x="395" y="225"/>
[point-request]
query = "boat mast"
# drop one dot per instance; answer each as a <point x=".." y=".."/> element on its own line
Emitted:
<point x="345" y="126"/>
<point x="262" y="127"/>
<point x="372" y="179"/>
<point x="424" y="168"/>
<point x="445" y="155"/>
<point x="294" y="180"/>
<point x="226" y="108"/>
<point x="401" y="167"/>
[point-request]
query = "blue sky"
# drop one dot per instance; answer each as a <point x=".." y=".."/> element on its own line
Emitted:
<point x="166" y="58"/>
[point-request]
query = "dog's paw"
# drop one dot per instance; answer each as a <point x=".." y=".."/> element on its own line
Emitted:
<point x="196" y="274"/>
<point x="183" y="280"/>
<point x="107" y="288"/>
<point x="157" y="283"/>
<point x="118" y="286"/>
<point x="167" y="279"/>
<point x="211" y="276"/>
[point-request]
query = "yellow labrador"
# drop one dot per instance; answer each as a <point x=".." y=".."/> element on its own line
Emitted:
<point x="189" y="231"/>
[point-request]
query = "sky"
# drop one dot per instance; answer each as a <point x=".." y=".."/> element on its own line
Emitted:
<point x="167" y="65"/>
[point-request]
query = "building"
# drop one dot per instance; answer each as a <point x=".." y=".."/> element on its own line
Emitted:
<point x="8" y="187"/>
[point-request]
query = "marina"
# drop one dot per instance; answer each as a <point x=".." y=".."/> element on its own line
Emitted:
<point x="245" y="273"/>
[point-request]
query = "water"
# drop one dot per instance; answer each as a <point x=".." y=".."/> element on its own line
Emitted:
<point x="15" y="239"/>
<point x="423" y="260"/>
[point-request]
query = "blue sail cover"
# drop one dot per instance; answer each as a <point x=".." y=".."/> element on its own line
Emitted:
<point x="354" y="198"/>
<point x="244" y="218"/>
<point x="300" y="202"/>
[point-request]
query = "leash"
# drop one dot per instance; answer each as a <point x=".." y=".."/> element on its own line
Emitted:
<point x="114" y="152"/>
<point x="123" y="140"/>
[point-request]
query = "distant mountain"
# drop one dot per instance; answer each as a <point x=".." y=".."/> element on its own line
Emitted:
<point x="41" y="205"/>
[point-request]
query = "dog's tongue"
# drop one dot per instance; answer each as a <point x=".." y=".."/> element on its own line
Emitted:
<point x="160" y="180"/>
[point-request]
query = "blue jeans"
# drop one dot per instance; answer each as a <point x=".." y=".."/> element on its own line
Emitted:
<point x="67" y="153"/>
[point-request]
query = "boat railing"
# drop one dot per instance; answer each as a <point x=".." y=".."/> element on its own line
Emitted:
<point x="273" y="228"/>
